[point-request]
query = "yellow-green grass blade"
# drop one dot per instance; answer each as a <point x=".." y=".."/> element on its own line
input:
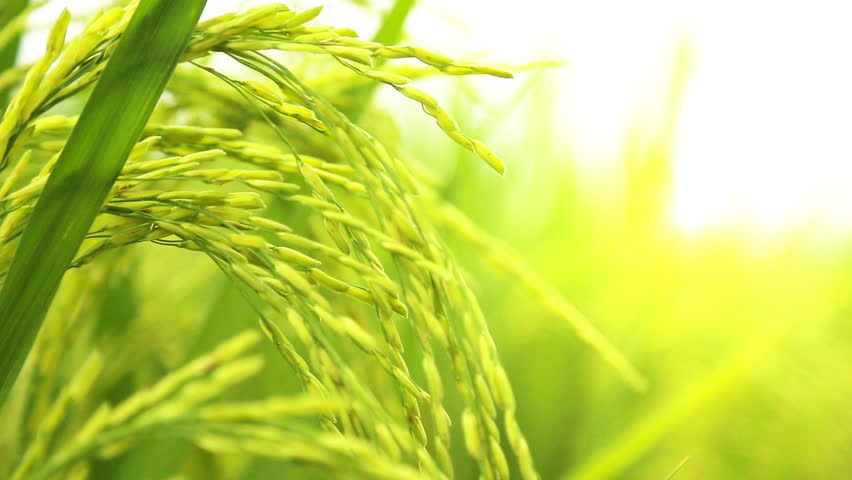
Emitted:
<point x="646" y="432"/>
<point x="110" y="124"/>
<point x="389" y="33"/>
<point x="9" y="52"/>
<point x="392" y="24"/>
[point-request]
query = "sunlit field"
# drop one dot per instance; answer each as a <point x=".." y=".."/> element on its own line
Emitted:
<point x="631" y="260"/>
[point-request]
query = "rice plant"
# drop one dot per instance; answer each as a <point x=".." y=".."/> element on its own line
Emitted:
<point x="236" y="142"/>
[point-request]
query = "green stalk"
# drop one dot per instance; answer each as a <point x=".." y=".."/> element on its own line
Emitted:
<point x="392" y="24"/>
<point x="9" y="53"/>
<point x="111" y="123"/>
<point x="389" y="33"/>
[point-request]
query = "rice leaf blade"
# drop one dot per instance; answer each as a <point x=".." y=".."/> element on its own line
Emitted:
<point x="111" y="122"/>
<point x="390" y="33"/>
<point x="9" y="52"/>
<point x="392" y="24"/>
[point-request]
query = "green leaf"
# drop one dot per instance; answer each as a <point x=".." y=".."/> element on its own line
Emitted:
<point x="390" y="33"/>
<point x="392" y="24"/>
<point x="9" y="52"/>
<point x="109" y="126"/>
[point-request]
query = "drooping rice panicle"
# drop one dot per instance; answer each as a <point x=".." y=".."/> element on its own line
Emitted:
<point x="352" y="283"/>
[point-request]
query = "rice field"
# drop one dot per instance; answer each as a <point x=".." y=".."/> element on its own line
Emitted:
<point x="257" y="244"/>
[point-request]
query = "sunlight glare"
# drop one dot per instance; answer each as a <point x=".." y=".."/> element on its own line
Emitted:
<point x="764" y="130"/>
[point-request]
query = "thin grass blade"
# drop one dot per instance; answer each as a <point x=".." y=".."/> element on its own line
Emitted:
<point x="390" y="33"/>
<point x="9" y="52"/>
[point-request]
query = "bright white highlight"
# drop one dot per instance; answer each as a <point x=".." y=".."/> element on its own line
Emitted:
<point x="765" y="129"/>
<point x="764" y="133"/>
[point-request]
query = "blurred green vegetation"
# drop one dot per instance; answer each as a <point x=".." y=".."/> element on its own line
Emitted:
<point x="745" y="340"/>
<point x="746" y="344"/>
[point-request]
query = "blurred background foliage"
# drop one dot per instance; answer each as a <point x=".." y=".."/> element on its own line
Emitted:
<point x="744" y="333"/>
